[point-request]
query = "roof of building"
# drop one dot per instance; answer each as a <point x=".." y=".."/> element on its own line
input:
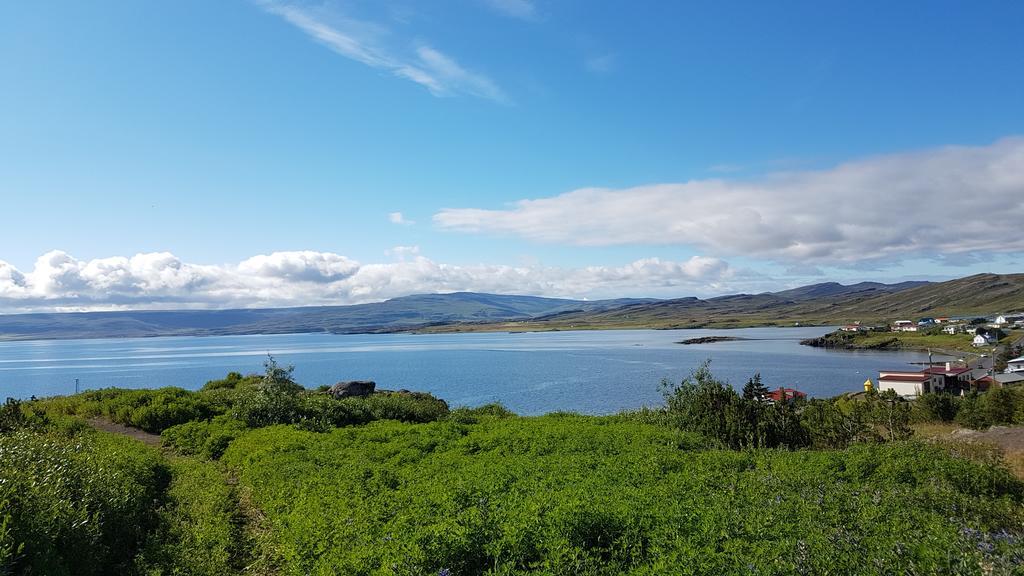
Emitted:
<point x="783" y="393"/>
<point x="1016" y="360"/>
<point x="907" y="377"/>
<point x="1011" y="378"/>
<point x="943" y="370"/>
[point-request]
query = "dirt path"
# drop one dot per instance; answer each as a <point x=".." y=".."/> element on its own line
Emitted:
<point x="114" y="428"/>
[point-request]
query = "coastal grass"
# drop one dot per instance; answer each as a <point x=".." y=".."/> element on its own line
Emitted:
<point x="587" y="495"/>
<point x="260" y="476"/>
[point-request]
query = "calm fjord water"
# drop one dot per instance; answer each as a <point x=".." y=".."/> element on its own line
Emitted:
<point x="532" y="373"/>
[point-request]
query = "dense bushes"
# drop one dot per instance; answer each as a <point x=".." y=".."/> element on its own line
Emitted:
<point x="586" y="495"/>
<point x="710" y="407"/>
<point x="150" y="410"/>
<point x="75" y="505"/>
<point x="205" y="438"/>
<point x="707" y="406"/>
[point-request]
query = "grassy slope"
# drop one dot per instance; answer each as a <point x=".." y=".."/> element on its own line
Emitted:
<point x="916" y="341"/>
<point x="982" y="294"/>
<point x="585" y="495"/>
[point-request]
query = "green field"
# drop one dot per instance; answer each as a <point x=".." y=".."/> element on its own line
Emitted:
<point x="259" y="476"/>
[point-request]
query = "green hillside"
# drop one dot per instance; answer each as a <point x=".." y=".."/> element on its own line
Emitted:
<point x="982" y="294"/>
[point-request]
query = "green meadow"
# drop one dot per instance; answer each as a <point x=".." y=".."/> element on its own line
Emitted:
<point x="257" y="475"/>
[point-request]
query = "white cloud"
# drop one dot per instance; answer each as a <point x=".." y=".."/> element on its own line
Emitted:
<point x="953" y="200"/>
<point x="398" y="218"/>
<point x="374" y="45"/>
<point x="305" y="266"/>
<point x="60" y="282"/>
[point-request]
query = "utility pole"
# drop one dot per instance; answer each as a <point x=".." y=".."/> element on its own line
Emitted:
<point x="76" y="385"/>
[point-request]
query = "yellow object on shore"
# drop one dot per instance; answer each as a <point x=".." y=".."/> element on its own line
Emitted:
<point x="868" y="386"/>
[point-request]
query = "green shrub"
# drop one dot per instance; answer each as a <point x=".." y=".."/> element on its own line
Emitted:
<point x="935" y="408"/>
<point x="999" y="405"/>
<point x="75" y="505"/>
<point x="585" y="495"/>
<point x="200" y="526"/>
<point x="207" y="439"/>
<point x="704" y="405"/>
<point x="151" y="410"/>
<point x="265" y="406"/>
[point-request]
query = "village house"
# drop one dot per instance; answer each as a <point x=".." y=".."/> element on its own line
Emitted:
<point x="983" y="339"/>
<point x="1008" y="319"/>
<point x="953" y="377"/>
<point x="1015" y="365"/>
<point x="1010" y="379"/>
<point x="955" y="328"/>
<point x="855" y="327"/>
<point x="782" y="394"/>
<point x="903" y="326"/>
<point x="910" y="384"/>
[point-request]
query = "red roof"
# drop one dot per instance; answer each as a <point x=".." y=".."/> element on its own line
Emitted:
<point x="782" y="393"/>
<point x="942" y="370"/>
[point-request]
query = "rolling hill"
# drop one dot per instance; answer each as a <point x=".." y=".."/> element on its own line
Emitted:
<point x="826" y="303"/>
<point x="391" y="315"/>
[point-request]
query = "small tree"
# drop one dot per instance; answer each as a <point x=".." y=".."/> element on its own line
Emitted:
<point x="274" y="401"/>
<point x="892" y="412"/>
<point x="277" y="377"/>
<point x="754" y="389"/>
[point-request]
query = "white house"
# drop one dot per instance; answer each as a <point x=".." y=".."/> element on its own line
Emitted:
<point x="954" y="328"/>
<point x="903" y="326"/>
<point x="910" y="384"/>
<point x="1015" y="365"/>
<point x="1004" y="319"/>
<point x="985" y="339"/>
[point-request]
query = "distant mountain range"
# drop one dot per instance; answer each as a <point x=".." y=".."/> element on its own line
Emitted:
<point x="825" y="303"/>
<point x="389" y="316"/>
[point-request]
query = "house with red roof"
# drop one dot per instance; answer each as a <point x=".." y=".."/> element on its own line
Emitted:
<point x="910" y="384"/>
<point x="782" y="394"/>
<point x="953" y="377"/>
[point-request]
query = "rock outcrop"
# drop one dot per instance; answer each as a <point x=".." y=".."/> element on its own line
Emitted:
<point x="352" y="388"/>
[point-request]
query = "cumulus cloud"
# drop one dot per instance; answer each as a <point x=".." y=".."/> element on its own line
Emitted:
<point x="374" y="45"/>
<point x="935" y="203"/>
<point x="61" y="282"/>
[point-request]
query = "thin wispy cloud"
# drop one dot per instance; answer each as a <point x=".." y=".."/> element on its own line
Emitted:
<point x="398" y="218"/>
<point x="881" y="210"/>
<point x="601" y="64"/>
<point x="522" y="9"/>
<point x="374" y="45"/>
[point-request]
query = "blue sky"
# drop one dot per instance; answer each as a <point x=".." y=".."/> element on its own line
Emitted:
<point x="152" y="150"/>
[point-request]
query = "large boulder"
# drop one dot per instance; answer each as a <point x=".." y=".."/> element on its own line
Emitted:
<point x="352" y="388"/>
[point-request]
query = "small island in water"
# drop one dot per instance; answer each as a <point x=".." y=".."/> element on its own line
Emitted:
<point x="711" y="339"/>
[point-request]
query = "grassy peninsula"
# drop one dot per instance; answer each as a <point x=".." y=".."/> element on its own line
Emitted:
<point x="930" y="340"/>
